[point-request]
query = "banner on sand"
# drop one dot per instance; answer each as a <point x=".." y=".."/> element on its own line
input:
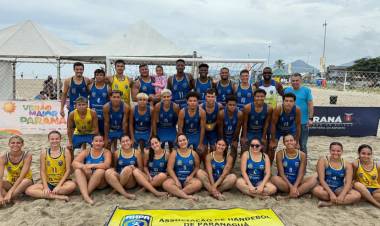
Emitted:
<point x="31" y="117"/>
<point x="345" y="121"/>
<point x="204" y="217"/>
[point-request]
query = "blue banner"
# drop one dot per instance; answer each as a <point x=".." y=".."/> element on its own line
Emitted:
<point x="345" y="121"/>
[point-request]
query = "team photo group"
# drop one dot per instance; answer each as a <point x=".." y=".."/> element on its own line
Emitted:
<point x="177" y="135"/>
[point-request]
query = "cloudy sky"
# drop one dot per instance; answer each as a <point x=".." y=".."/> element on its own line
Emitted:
<point x="230" y="29"/>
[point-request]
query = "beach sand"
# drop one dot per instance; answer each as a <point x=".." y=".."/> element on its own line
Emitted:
<point x="303" y="211"/>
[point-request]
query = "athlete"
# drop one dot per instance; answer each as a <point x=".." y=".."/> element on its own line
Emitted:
<point x="204" y="82"/>
<point x="191" y="122"/>
<point x="126" y="160"/>
<point x="16" y="163"/>
<point x="291" y="167"/>
<point x="116" y="116"/>
<point x="90" y="166"/>
<point x="180" y="84"/>
<point x="335" y="179"/>
<point x="273" y="89"/>
<point x="225" y="86"/>
<point x="121" y="82"/>
<point x="257" y="117"/>
<point x="140" y="122"/>
<point x="183" y="164"/>
<point x="74" y="87"/>
<point x="55" y="163"/>
<point x="99" y="96"/>
<point x="144" y="85"/>
<point x="229" y="125"/>
<point x="155" y="163"/>
<point x="366" y="174"/>
<point x="255" y="171"/>
<point x="217" y="176"/>
<point x="243" y="90"/>
<point x="165" y="118"/>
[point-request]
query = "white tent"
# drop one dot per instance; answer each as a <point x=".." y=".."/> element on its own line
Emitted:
<point x="29" y="40"/>
<point x="140" y="40"/>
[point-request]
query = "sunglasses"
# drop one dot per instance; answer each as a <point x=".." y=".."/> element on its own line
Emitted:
<point x="255" y="145"/>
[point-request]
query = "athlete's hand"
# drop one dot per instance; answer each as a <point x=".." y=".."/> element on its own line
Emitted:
<point x="62" y="112"/>
<point x="2" y="202"/>
<point x="340" y="199"/>
<point x="178" y="184"/>
<point x="8" y="197"/>
<point x="263" y="142"/>
<point x="333" y="198"/>
<point x="260" y="189"/>
<point x="243" y="140"/>
<point x="56" y="189"/>
<point x="150" y="178"/>
<point x="188" y="179"/>
<point x="46" y="191"/>
<point x="252" y="189"/>
<point x="310" y="123"/>
<point x="294" y="193"/>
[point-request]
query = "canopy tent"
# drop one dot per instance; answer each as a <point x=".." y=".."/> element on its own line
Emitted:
<point x="140" y="40"/>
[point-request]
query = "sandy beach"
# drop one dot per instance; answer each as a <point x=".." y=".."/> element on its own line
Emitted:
<point x="303" y="211"/>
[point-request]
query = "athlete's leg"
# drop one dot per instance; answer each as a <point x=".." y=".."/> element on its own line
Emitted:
<point x="142" y="180"/>
<point x="170" y="186"/>
<point x="113" y="179"/>
<point x="228" y="182"/>
<point x="81" y="180"/>
<point x="192" y="186"/>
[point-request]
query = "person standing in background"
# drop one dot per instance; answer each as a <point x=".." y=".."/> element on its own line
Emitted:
<point x="304" y="100"/>
<point x="121" y="82"/>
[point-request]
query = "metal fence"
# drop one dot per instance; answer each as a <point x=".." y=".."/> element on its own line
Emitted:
<point x="352" y="80"/>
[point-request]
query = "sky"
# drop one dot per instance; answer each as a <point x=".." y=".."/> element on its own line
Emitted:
<point x="228" y="29"/>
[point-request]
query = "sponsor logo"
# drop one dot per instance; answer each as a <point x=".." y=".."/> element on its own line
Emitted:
<point x="136" y="220"/>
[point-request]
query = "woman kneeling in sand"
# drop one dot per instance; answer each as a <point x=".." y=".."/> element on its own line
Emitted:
<point x="126" y="160"/>
<point x="183" y="164"/>
<point x="55" y="163"/>
<point x="19" y="175"/>
<point x="90" y="166"/>
<point x="291" y="166"/>
<point x="335" y="178"/>
<point x="218" y="177"/>
<point x="255" y="170"/>
<point x="155" y="163"/>
<point x="367" y="175"/>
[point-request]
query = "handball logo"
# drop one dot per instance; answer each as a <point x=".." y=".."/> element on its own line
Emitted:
<point x="9" y="107"/>
<point x="348" y="117"/>
<point x="136" y="220"/>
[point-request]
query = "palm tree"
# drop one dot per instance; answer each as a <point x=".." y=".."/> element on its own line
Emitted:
<point x="279" y="64"/>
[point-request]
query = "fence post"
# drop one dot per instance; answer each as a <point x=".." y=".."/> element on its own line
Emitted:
<point x="58" y="81"/>
<point x="345" y="80"/>
<point x="193" y="66"/>
<point x="14" y="79"/>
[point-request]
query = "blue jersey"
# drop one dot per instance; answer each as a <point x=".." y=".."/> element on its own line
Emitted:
<point x="116" y="117"/>
<point x="146" y="87"/>
<point x="98" y="98"/>
<point x="92" y="160"/>
<point x="217" y="167"/>
<point x="244" y="96"/>
<point x="255" y="170"/>
<point x="291" y="166"/>
<point x="201" y="88"/>
<point x="76" y="91"/>
<point x="123" y="161"/>
<point x="211" y="118"/>
<point x="303" y="97"/>
<point x="157" y="166"/>
<point x="256" y="120"/>
<point x="142" y="122"/>
<point x="287" y="122"/>
<point x="230" y="125"/>
<point x="335" y="177"/>
<point x="180" y="90"/>
<point x="167" y="119"/>
<point x="223" y="92"/>
<point x="192" y="125"/>
<point x="184" y="166"/>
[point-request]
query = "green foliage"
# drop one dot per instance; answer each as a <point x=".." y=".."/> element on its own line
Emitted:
<point x="366" y="64"/>
<point x="279" y="64"/>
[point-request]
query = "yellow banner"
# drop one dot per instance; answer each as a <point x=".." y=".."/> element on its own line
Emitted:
<point x="205" y="217"/>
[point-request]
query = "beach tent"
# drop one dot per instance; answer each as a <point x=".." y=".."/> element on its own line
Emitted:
<point x="140" y="40"/>
<point x="29" y="42"/>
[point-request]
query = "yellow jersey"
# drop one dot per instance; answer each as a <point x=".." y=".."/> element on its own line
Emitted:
<point x="124" y="87"/>
<point x="14" y="169"/>
<point x="55" y="167"/>
<point x="369" y="178"/>
<point x="83" y="126"/>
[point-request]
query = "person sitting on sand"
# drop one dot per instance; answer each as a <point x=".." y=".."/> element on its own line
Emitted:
<point x="55" y="163"/>
<point x="217" y="176"/>
<point x="291" y="167"/>
<point x="126" y="160"/>
<point x="90" y="166"/>
<point x="366" y="173"/>
<point x="335" y="178"/>
<point x="183" y="164"/>
<point x="155" y="163"/>
<point x="256" y="172"/>
<point x="19" y="175"/>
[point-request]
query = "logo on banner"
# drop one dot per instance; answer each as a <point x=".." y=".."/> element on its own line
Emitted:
<point x="136" y="220"/>
<point x="348" y="117"/>
<point x="9" y="107"/>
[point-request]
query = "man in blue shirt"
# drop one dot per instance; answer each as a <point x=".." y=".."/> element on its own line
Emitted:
<point x="304" y="101"/>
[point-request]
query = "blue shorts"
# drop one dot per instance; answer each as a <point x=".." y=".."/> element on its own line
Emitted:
<point x="193" y="139"/>
<point x="229" y="139"/>
<point x="167" y="134"/>
<point x="334" y="189"/>
<point x="371" y="190"/>
<point x="256" y="183"/>
<point x="210" y="138"/>
<point x="254" y="135"/>
<point x="101" y="126"/>
<point x="51" y="186"/>
<point x="181" y="103"/>
<point x="215" y="176"/>
<point x="292" y="180"/>
<point x="279" y="134"/>
<point x="115" y="134"/>
<point x="142" y="136"/>
<point x="78" y="140"/>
